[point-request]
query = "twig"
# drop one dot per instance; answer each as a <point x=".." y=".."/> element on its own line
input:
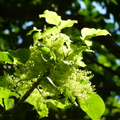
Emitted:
<point x="115" y="72"/>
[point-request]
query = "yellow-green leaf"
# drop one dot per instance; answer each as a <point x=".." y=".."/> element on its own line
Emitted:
<point x="51" y="17"/>
<point x="93" y="106"/>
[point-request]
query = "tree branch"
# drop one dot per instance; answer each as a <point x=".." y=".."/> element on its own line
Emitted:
<point x="101" y="65"/>
<point x="27" y="94"/>
<point x="109" y="44"/>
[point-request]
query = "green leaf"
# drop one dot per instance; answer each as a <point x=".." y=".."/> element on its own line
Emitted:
<point x="93" y="106"/>
<point x="43" y="110"/>
<point x="37" y="36"/>
<point x="6" y="57"/>
<point x="50" y="31"/>
<point x="5" y="98"/>
<point x="34" y="30"/>
<point x="68" y="94"/>
<point x="53" y="56"/>
<point x="62" y="104"/>
<point x="51" y="17"/>
<point x="66" y="23"/>
<point x="20" y="56"/>
<point x="38" y="102"/>
<point x="44" y="48"/>
<point x="88" y="42"/>
<point x="48" y="54"/>
<point x="88" y="33"/>
<point x="85" y="49"/>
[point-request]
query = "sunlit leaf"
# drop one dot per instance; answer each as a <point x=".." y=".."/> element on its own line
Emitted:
<point x="43" y="110"/>
<point x="51" y="17"/>
<point x="5" y="98"/>
<point x="66" y="23"/>
<point x="93" y="106"/>
<point x="102" y="32"/>
<point x="45" y="49"/>
<point x="53" y="56"/>
<point x="62" y="104"/>
<point x="50" y="31"/>
<point x="88" y="42"/>
<point x="36" y="36"/>
<point x="82" y="64"/>
<point x="6" y="57"/>
<point x="68" y="62"/>
<point x="88" y="33"/>
<point x="85" y="49"/>
<point x="37" y="101"/>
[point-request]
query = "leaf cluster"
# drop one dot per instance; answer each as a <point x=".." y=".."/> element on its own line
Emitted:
<point x="57" y="62"/>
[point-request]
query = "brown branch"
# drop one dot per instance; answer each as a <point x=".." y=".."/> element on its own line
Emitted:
<point x="27" y="94"/>
<point x="109" y="44"/>
<point x="101" y="65"/>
